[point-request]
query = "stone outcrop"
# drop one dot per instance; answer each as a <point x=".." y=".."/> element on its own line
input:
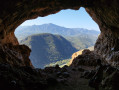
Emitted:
<point x="108" y="20"/>
<point x="104" y="12"/>
<point x="87" y="58"/>
<point x="17" y="55"/>
<point x="107" y="46"/>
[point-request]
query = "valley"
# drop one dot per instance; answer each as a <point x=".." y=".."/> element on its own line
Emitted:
<point x="52" y="44"/>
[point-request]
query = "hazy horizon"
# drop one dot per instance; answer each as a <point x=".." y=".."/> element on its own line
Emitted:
<point x="56" y="25"/>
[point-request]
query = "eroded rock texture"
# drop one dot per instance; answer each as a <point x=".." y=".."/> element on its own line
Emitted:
<point x="17" y="55"/>
<point x="15" y="12"/>
<point x="107" y="17"/>
<point x="104" y="12"/>
<point x="87" y="58"/>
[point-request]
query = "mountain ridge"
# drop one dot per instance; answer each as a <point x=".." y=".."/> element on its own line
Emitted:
<point x="77" y="38"/>
<point x="24" y="31"/>
<point x="47" y="48"/>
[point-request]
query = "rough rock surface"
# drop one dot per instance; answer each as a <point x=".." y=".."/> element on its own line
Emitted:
<point x="108" y="21"/>
<point x="87" y="58"/>
<point x="15" y="12"/>
<point x="16" y="55"/>
<point x="104" y="12"/>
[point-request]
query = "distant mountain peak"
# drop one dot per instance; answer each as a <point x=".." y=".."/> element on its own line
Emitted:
<point x="51" y="24"/>
<point x="47" y="24"/>
<point x="25" y="31"/>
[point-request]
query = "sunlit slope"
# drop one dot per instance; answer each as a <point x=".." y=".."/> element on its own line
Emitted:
<point x="47" y="48"/>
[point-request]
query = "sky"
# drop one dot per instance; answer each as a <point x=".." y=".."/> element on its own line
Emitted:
<point x="66" y="18"/>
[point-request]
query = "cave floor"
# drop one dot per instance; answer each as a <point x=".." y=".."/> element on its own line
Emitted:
<point x="75" y="82"/>
<point x="50" y="78"/>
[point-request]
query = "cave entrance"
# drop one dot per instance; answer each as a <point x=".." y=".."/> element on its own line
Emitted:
<point x="54" y="38"/>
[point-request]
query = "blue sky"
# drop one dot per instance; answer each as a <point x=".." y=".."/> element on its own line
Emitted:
<point x="67" y="18"/>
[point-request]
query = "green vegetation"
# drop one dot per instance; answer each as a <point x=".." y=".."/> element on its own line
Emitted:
<point x="61" y="63"/>
<point x="82" y="41"/>
<point x="47" y="48"/>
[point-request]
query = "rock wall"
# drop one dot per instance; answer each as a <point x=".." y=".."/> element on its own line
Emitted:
<point x="17" y="55"/>
<point x="107" y="17"/>
<point x="87" y="58"/>
<point x="104" y="12"/>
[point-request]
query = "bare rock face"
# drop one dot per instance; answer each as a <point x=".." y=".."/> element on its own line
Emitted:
<point x="10" y="38"/>
<point x="87" y="58"/>
<point x="16" y="55"/>
<point x="104" y="12"/>
<point x="107" y="44"/>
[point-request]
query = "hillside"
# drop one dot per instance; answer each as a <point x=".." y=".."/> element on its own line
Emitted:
<point x="80" y="38"/>
<point x="68" y="62"/>
<point x="82" y="41"/>
<point x="47" y="48"/>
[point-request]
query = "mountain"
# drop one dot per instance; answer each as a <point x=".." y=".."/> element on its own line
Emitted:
<point x="67" y="62"/>
<point x="47" y="48"/>
<point x="23" y="31"/>
<point x="82" y="41"/>
<point x="76" y="38"/>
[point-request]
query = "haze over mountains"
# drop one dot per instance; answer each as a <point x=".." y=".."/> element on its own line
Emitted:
<point x="24" y="31"/>
<point x="51" y="43"/>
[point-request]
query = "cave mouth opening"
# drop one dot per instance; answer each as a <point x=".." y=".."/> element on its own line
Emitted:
<point x="54" y="38"/>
